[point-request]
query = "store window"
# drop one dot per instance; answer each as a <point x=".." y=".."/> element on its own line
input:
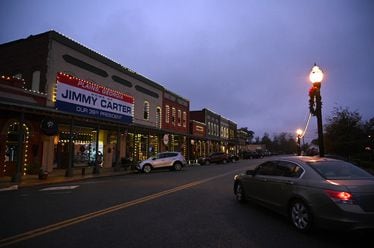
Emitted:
<point x="35" y="81"/>
<point x="153" y="145"/>
<point x="142" y="146"/>
<point x="179" y="117"/>
<point x="158" y="117"/>
<point x="12" y="149"/>
<point x="138" y="146"/>
<point x="167" y="113"/>
<point x="173" y="116"/>
<point x="146" y="110"/>
<point x="184" y="119"/>
<point x="84" y="146"/>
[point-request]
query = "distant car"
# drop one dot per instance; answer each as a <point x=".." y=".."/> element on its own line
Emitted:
<point x="215" y="157"/>
<point x="233" y="158"/>
<point x="251" y="155"/>
<point x="311" y="191"/>
<point x="172" y="160"/>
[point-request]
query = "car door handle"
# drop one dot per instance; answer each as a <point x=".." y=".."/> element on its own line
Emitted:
<point x="290" y="182"/>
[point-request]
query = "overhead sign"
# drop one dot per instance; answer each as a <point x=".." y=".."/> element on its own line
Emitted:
<point x="86" y="98"/>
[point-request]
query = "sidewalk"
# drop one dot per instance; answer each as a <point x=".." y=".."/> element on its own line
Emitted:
<point x="58" y="176"/>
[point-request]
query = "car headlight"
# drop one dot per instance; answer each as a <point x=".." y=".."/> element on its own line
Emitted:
<point x="236" y="177"/>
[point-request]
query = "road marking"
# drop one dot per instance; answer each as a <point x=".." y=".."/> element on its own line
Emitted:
<point x="69" y="222"/>
<point x="59" y="188"/>
<point x="13" y="187"/>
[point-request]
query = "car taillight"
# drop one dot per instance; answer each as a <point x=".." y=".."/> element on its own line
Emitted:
<point x="341" y="196"/>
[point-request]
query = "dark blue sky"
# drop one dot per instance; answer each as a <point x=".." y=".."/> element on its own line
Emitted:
<point x="248" y="60"/>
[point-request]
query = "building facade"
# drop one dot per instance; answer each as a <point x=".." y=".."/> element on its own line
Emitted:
<point x="175" y="123"/>
<point x="219" y="132"/>
<point x="198" y="140"/>
<point x="102" y="110"/>
<point x="65" y="106"/>
<point x="233" y="142"/>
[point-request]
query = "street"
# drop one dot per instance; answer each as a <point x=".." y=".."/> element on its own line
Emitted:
<point x="191" y="208"/>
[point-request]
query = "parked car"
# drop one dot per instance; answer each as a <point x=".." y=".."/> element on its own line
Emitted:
<point x="233" y="158"/>
<point x="172" y="160"/>
<point x="320" y="192"/>
<point x="251" y="155"/>
<point x="215" y="157"/>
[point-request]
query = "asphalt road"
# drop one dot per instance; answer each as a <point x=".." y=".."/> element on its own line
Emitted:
<point x="191" y="208"/>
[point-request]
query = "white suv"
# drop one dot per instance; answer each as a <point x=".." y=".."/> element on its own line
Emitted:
<point x="174" y="160"/>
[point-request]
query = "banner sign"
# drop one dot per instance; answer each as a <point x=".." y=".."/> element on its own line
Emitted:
<point x="82" y="97"/>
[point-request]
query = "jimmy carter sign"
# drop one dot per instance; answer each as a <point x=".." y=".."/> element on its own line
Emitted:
<point x="82" y="97"/>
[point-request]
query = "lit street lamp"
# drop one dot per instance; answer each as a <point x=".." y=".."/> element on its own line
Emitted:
<point x="315" y="103"/>
<point x="299" y="133"/>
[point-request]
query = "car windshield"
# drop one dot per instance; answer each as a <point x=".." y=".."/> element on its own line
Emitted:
<point x="339" y="170"/>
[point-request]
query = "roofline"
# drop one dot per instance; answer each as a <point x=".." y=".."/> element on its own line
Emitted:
<point x="176" y="95"/>
<point x="69" y="42"/>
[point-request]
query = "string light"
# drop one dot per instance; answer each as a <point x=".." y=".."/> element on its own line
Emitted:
<point x="15" y="126"/>
<point x="94" y="85"/>
<point x="15" y="78"/>
<point x="54" y="93"/>
<point x="81" y="138"/>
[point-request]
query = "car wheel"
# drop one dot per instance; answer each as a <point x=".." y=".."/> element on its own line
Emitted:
<point x="147" y="168"/>
<point x="233" y="160"/>
<point x="300" y="216"/>
<point x="239" y="193"/>
<point x="177" y="166"/>
<point x="207" y="162"/>
<point x="224" y="161"/>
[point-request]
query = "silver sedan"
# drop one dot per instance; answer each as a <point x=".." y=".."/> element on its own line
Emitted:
<point x="321" y="192"/>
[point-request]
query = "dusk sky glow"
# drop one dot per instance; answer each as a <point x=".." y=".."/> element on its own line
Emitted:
<point x="248" y="60"/>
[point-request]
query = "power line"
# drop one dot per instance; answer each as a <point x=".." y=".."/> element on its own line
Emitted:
<point x="306" y="126"/>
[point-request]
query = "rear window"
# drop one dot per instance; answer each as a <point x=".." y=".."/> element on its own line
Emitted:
<point x="339" y="170"/>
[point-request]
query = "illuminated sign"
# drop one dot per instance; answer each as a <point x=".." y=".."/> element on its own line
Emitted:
<point x="82" y="97"/>
<point x="199" y="129"/>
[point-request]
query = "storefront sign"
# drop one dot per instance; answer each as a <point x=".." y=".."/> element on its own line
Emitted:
<point x="86" y="98"/>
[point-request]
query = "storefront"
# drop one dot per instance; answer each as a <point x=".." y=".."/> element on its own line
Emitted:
<point x="23" y="140"/>
<point x="198" y="143"/>
<point x="141" y="144"/>
<point x="86" y="128"/>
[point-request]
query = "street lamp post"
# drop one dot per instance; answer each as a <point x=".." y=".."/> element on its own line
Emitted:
<point x="299" y="133"/>
<point x="315" y="103"/>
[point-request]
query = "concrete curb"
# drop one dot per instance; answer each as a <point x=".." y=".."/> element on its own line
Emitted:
<point x="34" y="182"/>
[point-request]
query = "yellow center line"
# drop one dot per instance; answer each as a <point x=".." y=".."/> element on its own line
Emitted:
<point x="62" y="224"/>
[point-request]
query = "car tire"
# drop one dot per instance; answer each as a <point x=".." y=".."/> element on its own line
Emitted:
<point x="240" y="193"/>
<point x="224" y="161"/>
<point x="147" y="168"/>
<point x="300" y="216"/>
<point x="177" y="166"/>
<point x="233" y="160"/>
<point x="207" y="162"/>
